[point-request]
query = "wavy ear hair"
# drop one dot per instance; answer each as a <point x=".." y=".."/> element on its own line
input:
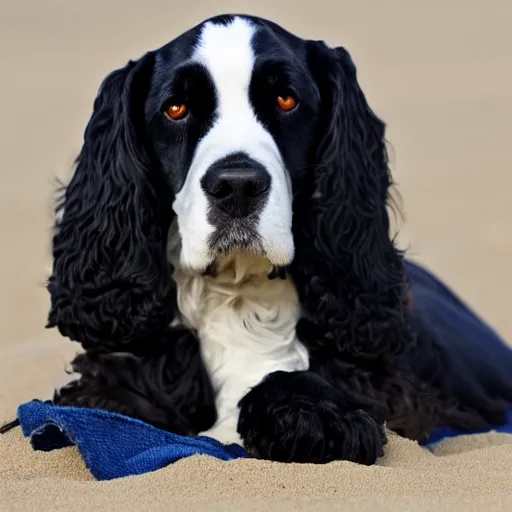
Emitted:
<point x="111" y="282"/>
<point x="349" y="275"/>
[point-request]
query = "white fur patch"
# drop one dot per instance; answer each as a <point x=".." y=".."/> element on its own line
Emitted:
<point x="226" y="51"/>
<point x="246" y="326"/>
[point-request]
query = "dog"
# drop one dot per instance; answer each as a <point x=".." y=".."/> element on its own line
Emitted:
<point x="223" y="254"/>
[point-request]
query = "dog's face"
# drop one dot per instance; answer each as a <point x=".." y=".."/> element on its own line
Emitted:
<point x="231" y="112"/>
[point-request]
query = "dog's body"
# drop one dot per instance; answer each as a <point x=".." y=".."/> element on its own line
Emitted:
<point x="223" y="254"/>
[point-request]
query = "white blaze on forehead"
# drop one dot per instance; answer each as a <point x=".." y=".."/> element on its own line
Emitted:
<point x="226" y="52"/>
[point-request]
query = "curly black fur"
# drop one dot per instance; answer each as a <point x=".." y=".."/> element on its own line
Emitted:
<point x="372" y="359"/>
<point x="111" y="280"/>
<point x="352" y="279"/>
<point x="111" y="287"/>
<point x="299" y="417"/>
<point x="163" y="382"/>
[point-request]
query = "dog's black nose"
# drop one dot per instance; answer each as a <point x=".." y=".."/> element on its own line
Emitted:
<point x="236" y="185"/>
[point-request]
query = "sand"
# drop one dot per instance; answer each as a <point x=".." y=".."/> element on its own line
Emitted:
<point x="438" y="72"/>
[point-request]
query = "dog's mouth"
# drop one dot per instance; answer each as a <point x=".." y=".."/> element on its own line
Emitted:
<point x="277" y="271"/>
<point x="240" y="240"/>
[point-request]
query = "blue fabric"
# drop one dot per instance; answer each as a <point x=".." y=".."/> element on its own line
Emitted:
<point x="114" y="446"/>
<point x="444" y="433"/>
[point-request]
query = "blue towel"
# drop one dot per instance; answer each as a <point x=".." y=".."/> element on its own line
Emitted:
<point x="114" y="446"/>
<point x="444" y="433"/>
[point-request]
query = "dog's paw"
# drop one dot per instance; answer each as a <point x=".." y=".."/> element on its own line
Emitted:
<point x="224" y="431"/>
<point x="299" y="417"/>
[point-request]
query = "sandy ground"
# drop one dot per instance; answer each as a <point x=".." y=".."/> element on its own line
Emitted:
<point x="439" y="73"/>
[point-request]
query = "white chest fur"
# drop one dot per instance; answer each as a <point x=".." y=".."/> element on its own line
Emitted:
<point x="246" y="326"/>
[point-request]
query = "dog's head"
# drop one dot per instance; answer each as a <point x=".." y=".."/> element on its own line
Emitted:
<point x="230" y="114"/>
<point x="222" y="129"/>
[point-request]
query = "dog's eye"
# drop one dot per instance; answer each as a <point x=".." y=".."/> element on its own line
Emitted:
<point x="176" y="112"/>
<point x="286" y="103"/>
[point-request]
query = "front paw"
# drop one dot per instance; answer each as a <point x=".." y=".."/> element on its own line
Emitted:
<point x="225" y="431"/>
<point x="299" y="417"/>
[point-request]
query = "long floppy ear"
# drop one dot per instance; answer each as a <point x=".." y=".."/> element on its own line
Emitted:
<point x="349" y="274"/>
<point x="111" y="282"/>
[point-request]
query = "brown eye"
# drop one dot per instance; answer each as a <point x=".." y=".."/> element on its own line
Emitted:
<point x="176" y="112"/>
<point x="286" y="103"/>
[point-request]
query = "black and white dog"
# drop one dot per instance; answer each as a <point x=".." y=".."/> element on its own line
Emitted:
<point x="222" y="252"/>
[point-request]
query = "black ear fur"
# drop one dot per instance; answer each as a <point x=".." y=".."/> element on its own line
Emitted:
<point x="349" y="274"/>
<point x="111" y="281"/>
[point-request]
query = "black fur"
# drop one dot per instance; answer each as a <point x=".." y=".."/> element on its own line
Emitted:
<point x="163" y="382"/>
<point x="111" y="281"/>
<point x="111" y="287"/>
<point x="299" y="417"/>
<point x="351" y="279"/>
<point x="372" y="358"/>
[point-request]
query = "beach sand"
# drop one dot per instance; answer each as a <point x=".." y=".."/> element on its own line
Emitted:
<point x="438" y="72"/>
